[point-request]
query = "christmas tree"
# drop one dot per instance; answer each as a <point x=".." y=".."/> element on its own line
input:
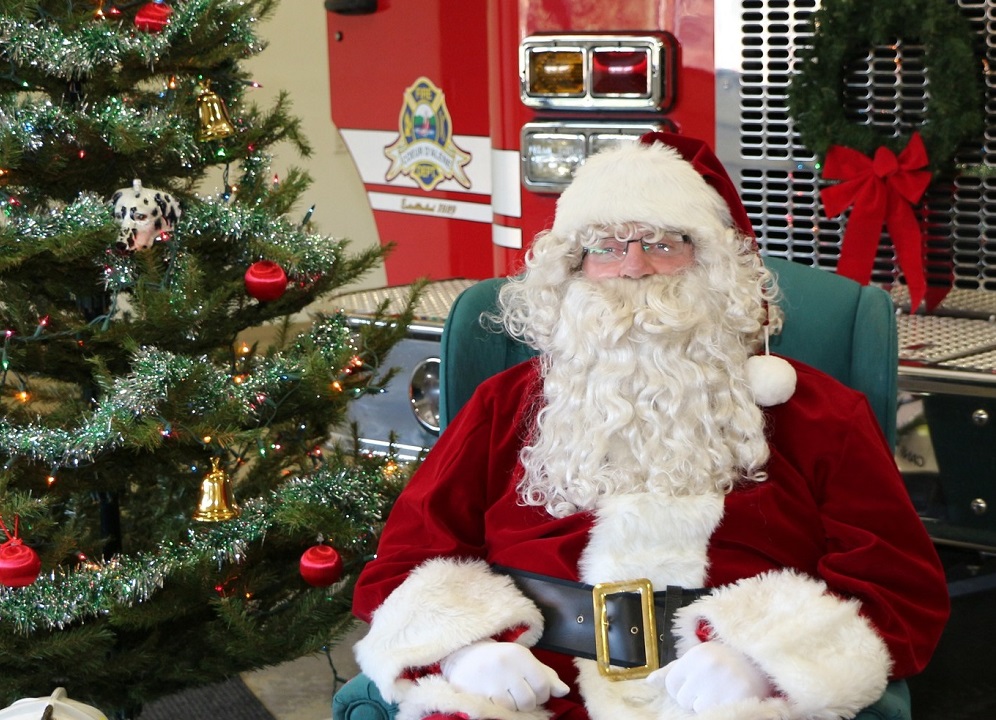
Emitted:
<point x="171" y="510"/>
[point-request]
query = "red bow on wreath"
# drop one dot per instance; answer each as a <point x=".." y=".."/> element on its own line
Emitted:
<point x="881" y="190"/>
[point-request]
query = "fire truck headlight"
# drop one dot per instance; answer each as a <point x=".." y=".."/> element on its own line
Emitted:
<point x="556" y="73"/>
<point x="553" y="151"/>
<point x="603" y="141"/>
<point x="423" y="392"/>
<point x="551" y="159"/>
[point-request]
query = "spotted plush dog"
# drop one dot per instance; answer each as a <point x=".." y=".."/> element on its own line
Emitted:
<point x="144" y="214"/>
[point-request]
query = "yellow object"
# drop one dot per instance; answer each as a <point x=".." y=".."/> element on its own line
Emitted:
<point x="646" y="590"/>
<point x="212" y="116"/>
<point x="216" y="503"/>
<point x="556" y="72"/>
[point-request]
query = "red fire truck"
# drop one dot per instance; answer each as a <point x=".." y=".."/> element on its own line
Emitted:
<point x="462" y="156"/>
<point x="465" y="118"/>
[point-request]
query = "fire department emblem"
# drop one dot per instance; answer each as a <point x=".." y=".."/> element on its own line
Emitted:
<point x="424" y="150"/>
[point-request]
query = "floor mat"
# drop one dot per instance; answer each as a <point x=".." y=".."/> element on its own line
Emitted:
<point x="229" y="700"/>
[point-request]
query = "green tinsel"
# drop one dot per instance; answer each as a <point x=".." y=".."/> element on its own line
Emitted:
<point x="154" y="373"/>
<point x="69" y="596"/>
<point x="100" y="47"/>
<point x="843" y="32"/>
<point x="26" y="125"/>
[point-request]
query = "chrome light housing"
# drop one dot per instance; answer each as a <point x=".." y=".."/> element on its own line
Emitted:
<point x="598" y="72"/>
<point x="552" y="151"/>
<point x="423" y="393"/>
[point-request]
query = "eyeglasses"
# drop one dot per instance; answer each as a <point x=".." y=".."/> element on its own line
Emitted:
<point x="669" y="244"/>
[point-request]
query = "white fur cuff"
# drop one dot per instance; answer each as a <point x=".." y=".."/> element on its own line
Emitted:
<point x="825" y="658"/>
<point x="442" y="606"/>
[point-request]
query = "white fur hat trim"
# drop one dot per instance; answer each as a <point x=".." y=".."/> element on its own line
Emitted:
<point x="653" y="184"/>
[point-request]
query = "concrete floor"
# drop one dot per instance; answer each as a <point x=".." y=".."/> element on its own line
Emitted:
<point x="302" y="689"/>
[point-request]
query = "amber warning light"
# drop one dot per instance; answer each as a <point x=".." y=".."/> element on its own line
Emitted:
<point x="556" y="73"/>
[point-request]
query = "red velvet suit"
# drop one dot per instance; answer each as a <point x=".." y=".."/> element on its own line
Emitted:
<point x="833" y="510"/>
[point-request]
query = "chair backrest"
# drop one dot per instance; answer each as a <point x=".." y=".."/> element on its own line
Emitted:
<point x="832" y="323"/>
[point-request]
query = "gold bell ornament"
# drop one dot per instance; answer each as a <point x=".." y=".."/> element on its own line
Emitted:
<point x="216" y="503"/>
<point x="214" y="123"/>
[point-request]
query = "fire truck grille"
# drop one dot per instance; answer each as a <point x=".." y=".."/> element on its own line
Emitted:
<point x="778" y="178"/>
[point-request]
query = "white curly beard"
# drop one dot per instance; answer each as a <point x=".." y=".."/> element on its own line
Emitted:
<point x="645" y="389"/>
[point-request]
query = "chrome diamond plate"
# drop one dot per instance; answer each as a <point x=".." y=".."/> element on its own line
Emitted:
<point x="933" y="339"/>
<point x="972" y="304"/>
<point x="433" y="306"/>
<point x="982" y="362"/>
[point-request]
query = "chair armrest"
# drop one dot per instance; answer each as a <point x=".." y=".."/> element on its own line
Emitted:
<point x="893" y="705"/>
<point x="359" y="699"/>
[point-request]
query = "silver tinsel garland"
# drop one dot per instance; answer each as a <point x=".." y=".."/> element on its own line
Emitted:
<point x="95" y="589"/>
<point x="101" y="46"/>
<point x="141" y="392"/>
<point x="247" y="229"/>
<point x="27" y="125"/>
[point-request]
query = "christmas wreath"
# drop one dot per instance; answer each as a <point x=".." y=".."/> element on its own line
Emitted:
<point x="843" y="32"/>
<point x="883" y="177"/>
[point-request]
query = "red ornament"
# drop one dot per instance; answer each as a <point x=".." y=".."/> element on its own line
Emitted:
<point x="19" y="564"/>
<point x="265" y="280"/>
<point x="321" y="566"/>
<point x="152" y="17"/>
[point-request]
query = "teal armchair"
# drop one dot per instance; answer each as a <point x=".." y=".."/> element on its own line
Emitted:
<point x="832" y="323"/>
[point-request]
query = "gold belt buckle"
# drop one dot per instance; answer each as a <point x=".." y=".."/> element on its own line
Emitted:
<point x="598" y="595"/>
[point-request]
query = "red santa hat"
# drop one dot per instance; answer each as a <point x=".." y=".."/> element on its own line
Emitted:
<point x="668" y="181"/>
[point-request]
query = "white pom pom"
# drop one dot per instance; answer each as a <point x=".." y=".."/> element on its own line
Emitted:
<point x="771" y="378"/>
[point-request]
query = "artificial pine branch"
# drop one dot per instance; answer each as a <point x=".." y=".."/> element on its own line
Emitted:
<point x="123" y="374"/>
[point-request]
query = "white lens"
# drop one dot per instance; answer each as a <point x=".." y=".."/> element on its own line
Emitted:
<point x="551" y="159"/>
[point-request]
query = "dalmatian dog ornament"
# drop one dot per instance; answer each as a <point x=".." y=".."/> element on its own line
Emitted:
<point x="144" y="214"/>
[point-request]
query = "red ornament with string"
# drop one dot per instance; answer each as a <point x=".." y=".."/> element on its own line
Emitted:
<point x="153" y="17"/>
<point x="19" y="564"/>
<point x="321" y="566"/>
<point x="265" y="280"/>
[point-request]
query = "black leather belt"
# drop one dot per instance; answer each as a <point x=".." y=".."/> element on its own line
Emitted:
<point x="608" y="622"/>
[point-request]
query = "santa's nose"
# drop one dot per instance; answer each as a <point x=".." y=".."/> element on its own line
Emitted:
<point x="636" y="263"/>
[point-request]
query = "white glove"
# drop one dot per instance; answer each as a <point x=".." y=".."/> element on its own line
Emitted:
<point x="506" y="673"/>
<point x="709" y="675"/>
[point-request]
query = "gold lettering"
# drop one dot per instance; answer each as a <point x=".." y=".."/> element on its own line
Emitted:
<point x="417" y="206"/>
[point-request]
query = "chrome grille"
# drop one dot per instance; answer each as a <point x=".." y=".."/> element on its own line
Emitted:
<point x="889" y="90"/>
<point x="757" y="45"/>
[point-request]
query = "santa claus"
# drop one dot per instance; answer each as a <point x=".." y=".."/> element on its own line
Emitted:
<point x="652" y="519"/>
